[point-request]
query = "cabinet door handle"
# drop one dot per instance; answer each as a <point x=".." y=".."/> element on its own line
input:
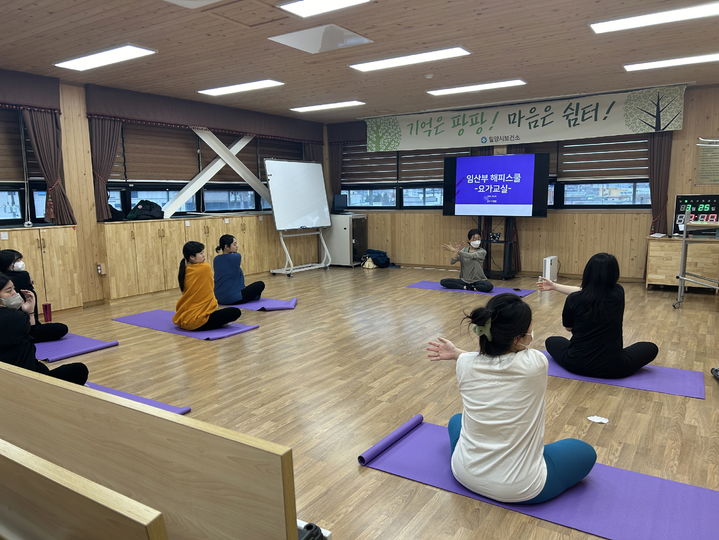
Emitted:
<point x="42" y="240"/>
<point x="132" y="235"/>
<point x="39" y="246"/>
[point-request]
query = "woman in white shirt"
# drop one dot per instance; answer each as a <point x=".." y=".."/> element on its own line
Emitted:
<point x="497" y="442"/>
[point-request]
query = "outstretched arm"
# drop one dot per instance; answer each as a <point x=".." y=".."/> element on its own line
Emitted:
<point x="443" y="349"/>
<point x="545" y="284"/>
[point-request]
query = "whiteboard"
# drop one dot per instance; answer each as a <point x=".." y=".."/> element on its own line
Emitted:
<point x="299" y="199"/>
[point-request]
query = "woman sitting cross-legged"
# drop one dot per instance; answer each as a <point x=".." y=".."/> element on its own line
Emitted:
<point x="471" y="262"/>
<point x="229" y="278"/>
<point x="497" y="442"/>
<point x="594" y="314"/>
<point x="197" y="307"/>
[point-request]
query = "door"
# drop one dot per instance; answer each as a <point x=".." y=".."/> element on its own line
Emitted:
<point x="148" y="256"/>
<point x="173" y="238"/>
<point x="61" y="267"/>
<point x="121" y="268"/>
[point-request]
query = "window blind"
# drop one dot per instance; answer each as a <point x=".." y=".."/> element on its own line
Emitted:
<point x="616" y="158"/>
<point x="160" y="153"/>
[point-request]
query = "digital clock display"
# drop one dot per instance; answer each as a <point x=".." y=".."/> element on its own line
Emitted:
<point x="704" y="208"/>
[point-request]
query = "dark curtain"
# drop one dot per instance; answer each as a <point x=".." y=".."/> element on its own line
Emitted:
<point x="104" y="138"/>
<point x="483" y="222"/>
<point x="660" y="155"/>
<point x="43" y="128"/>
<point x="510" y="224"/>
<point x="336" y="167"/>
<point x="312" y="152"/>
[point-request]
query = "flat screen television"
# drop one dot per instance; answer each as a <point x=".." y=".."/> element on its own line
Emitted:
<point x="504" y="185"/>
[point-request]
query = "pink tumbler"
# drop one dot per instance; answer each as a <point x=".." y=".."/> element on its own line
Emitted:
<point x="47" y="312"/>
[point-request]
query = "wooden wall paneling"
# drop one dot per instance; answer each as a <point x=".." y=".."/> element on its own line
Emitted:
<point x="173" y="238"/>
<point x="77" y="168"/>
<point x="80" y="508"/>
<point x="196" y="231"/>
<point x="61" y="267"/>
<point x="664" y="255"/>
<point x="701" y="119"/>
<point x="27" y="242"/>
<point x="245" y="230"/>
<point x="121" y="269"/>
<point x="208" y="482"/>
<point x="148" y="256"/>
<point x="215" y="228"/>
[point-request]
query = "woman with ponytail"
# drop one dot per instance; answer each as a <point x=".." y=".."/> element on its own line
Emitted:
<point x="594" y="314"/>
<point x="497" y="442"/>
<point x="197" y="307"/>
<point x="229" y="278"/>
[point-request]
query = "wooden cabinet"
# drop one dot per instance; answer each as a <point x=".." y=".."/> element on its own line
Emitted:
<point x="663" y="256"/>
<point x="120" y="266"/>
<point x="51" y="258"/>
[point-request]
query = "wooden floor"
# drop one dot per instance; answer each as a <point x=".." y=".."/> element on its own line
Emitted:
<point x="333" y="376"/>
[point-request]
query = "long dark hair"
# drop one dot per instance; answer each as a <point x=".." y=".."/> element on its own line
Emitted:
<point x="510" y="318"/>
<point x="190" y="249"/>
<point x="8" y="258"/>
<point x="225" y="241"/>
<point x="600" y="276"/>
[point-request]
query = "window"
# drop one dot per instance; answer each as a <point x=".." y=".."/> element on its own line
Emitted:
<point x="10" y="205"/>
<point x="229" y="199"/>
<point x="423" y="196"/>
<point x="161" y="197"/>
<point x="371" y="197"/>
<point x="607" y="194"/>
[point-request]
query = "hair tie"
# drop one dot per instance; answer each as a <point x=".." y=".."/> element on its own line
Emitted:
<point x="484" y="330"/>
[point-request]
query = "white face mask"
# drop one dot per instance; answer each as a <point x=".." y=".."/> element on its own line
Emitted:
<point x="12" y="302"/>
<point x="475" y="243"/>
<point x="19" y="266"/>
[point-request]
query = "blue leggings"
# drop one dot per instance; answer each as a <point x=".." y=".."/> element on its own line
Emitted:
<point x="568" y="461"/>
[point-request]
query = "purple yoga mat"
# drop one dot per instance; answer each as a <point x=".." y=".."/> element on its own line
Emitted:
<point x="267" y="304"/>
<point x="70" y="345"/>
<point x="666" y="380"/>
<point x="435" y="286"/>
<point x="139" y="399"/>
<point x="610" y="502"/>
<point x="160" y="319"/>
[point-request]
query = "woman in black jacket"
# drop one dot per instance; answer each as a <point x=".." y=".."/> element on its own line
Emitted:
<point x="16" y="344"/>
<point x="12" y="265"/>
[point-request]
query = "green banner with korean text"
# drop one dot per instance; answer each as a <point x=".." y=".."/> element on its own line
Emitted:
<point x="641" y="111"/>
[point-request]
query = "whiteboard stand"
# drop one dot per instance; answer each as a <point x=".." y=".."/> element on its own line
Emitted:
<point x="290" y="268"/>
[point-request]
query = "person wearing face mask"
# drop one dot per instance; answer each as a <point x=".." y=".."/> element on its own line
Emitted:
<point x="229" y="278"/>
<point x="16" y="345"/>
<point x="197" y="307"/>
<point x="471" y="265"/>
<point x="497" y="442"/>
<point x="13" y="266"/>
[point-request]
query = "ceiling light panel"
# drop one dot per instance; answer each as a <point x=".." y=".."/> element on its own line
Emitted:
<point x="308" y="8"/>
<point x="244" y="87"/>
<point x="411" y="59"/>
<point x="476" y="87"/>
<point x="327" y="106"/>
<point x="104" y="58"/>
<point x="674" y="62"/>
<point x="662" y="17"/>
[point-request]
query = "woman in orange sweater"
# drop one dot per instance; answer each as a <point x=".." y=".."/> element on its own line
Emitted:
<point x="197" y="307"/>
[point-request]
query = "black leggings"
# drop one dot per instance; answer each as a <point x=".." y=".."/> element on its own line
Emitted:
<point x="631" y="359"/>
<point x="220" y="318"/>
<point x="454" y="283"/>
<point x="75" y="373"/>
<point x="47" y="332"/>
<point x="252" y="292"/>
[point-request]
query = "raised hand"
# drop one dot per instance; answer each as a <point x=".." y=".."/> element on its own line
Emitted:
<point x="442" y="349"/>
<point x="545" y="284"/>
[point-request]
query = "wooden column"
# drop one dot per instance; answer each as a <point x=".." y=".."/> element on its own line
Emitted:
<point x="77" y="168"/>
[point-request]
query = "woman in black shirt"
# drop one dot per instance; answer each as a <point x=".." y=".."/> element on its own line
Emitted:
<point x="16" y="345"/>
<point x="12" y="265"/>
<point x="594" y="314"/>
